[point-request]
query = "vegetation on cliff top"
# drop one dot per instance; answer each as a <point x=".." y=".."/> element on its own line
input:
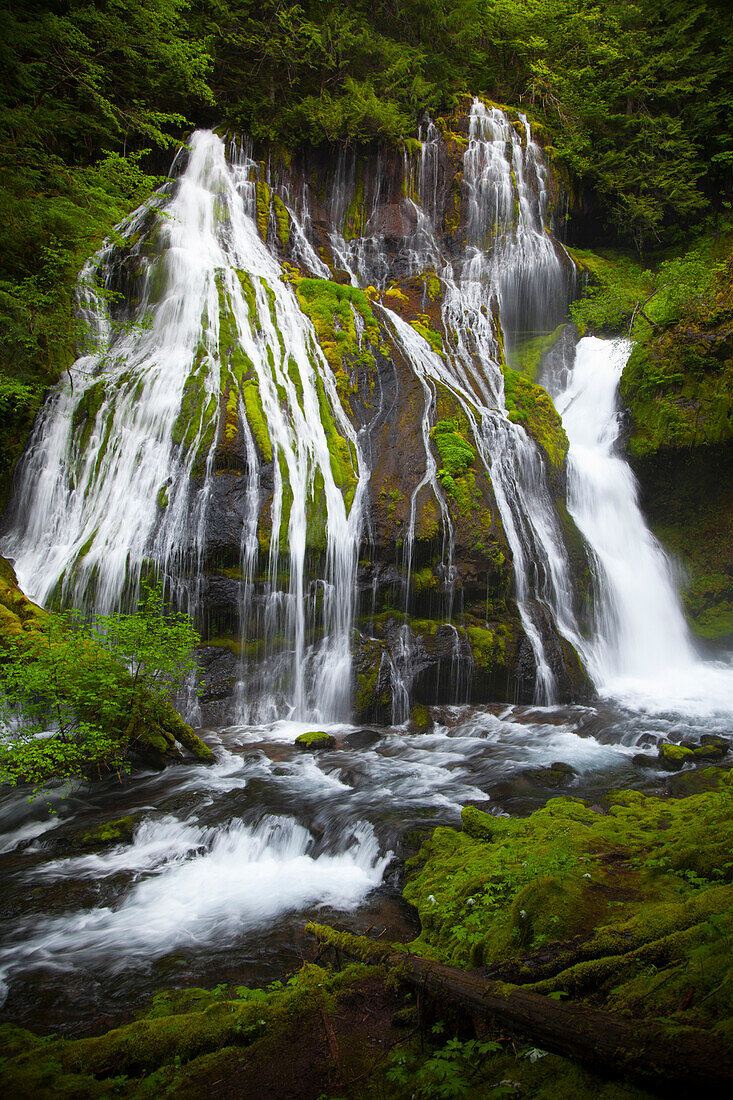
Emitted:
<point x="633" y="104"/>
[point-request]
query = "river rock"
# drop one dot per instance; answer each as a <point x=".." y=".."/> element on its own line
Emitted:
<point x="315" y="741"/>
<point x="557" y="775"/>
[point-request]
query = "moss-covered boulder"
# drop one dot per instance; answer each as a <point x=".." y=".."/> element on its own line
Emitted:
<point x="115" y="831"/>
<point x="315" y="741"/>
<point x="629" y="909"/>
<point x="675" y="756"/>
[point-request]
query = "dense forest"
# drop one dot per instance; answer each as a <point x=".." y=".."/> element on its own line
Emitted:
<point x="561" y="937"/>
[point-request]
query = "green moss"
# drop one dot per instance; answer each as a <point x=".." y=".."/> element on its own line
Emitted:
<point x="263" y="193"/>
<point x="355" y="219"/>
<point x="282" y="219"/>
<point x="433" y="286"/>
<point x="708" y="601"/>
<point x="256" y="418"/>
<point x="680" y="393"/>
<point x="616" y="281"/>
<point x="330" y="307"/>
<point x="487" y="646"/>
<point x="423" y="327"/>
<point x="532" y="407"/>
<point x="420" y="720"/>
<point x="456" y="453"/>
<point x="424" y="580"/>
<point x="314" y="739"/>
<point x="341" y="451"/>
<point x="178" y="1036"/>
<point x="231" y="417"/>
<point x="109" y="832"/>
<point x="636" y="904"/>
<point x="197" y="407"/>
<point x="250" y="297"/>
<point x="675" y="753"/>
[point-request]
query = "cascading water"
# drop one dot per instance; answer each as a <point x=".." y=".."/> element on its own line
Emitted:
<point x="120" y="467"/>
<point x="640" y="648"/>
<point x="216" y="397"/>
<point x="121" y="475"/>
<point x="511" y="263"/>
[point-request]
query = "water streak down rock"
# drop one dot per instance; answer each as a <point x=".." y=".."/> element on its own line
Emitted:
<point x="296" y="406"/>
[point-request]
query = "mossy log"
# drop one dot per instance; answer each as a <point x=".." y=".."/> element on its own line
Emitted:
<point x="649" y="1053"/>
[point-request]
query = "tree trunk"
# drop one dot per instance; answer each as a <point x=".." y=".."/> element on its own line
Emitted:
<point x="646" y="1052"/>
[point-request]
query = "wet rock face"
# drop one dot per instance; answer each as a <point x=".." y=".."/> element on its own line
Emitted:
<point x="435" y="618"/>
<point x="351" y="458"/>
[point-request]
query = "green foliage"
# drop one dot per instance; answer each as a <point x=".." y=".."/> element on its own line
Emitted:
<point x="155" y="643"/>
<point x="74" y="695"/>
<point x="53" y="680"/>
<point x="635" y="101"/>
<point x="453" y="1070"/>
<point x="619" y="895"/>
<point x="615" y="284"/>
<point x="678" y="382"/>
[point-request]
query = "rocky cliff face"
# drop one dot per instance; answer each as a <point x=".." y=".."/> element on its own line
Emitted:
<point x="303" y="401"/>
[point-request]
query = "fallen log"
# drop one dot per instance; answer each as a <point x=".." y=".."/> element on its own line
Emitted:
<point x="647" y="1052"/>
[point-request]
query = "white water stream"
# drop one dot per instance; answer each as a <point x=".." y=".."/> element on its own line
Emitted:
<point x="94" y="512"/>
<point x="640" y="650"/>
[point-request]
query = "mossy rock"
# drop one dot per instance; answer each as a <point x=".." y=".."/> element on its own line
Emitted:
<point x="674" y="756"/>
<point x="315" y="741"/>
<point x="557" y="775"/>
<point x="109" y="832"/>
<point x="420" y="720"/>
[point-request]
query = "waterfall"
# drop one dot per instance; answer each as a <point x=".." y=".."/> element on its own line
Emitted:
<point x="640" y="648"/>
<point x="119" y="471"/>
<point x="212" y="368"/>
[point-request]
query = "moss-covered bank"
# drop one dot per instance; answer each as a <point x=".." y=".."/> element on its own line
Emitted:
<point x="629" y="909"/>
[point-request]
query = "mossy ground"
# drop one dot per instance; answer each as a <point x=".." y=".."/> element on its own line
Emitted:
<point x="331" y="1034"/>
<point x="631" y="910"/>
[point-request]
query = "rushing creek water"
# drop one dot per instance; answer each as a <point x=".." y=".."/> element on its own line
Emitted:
<point x="227" y="862"/>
